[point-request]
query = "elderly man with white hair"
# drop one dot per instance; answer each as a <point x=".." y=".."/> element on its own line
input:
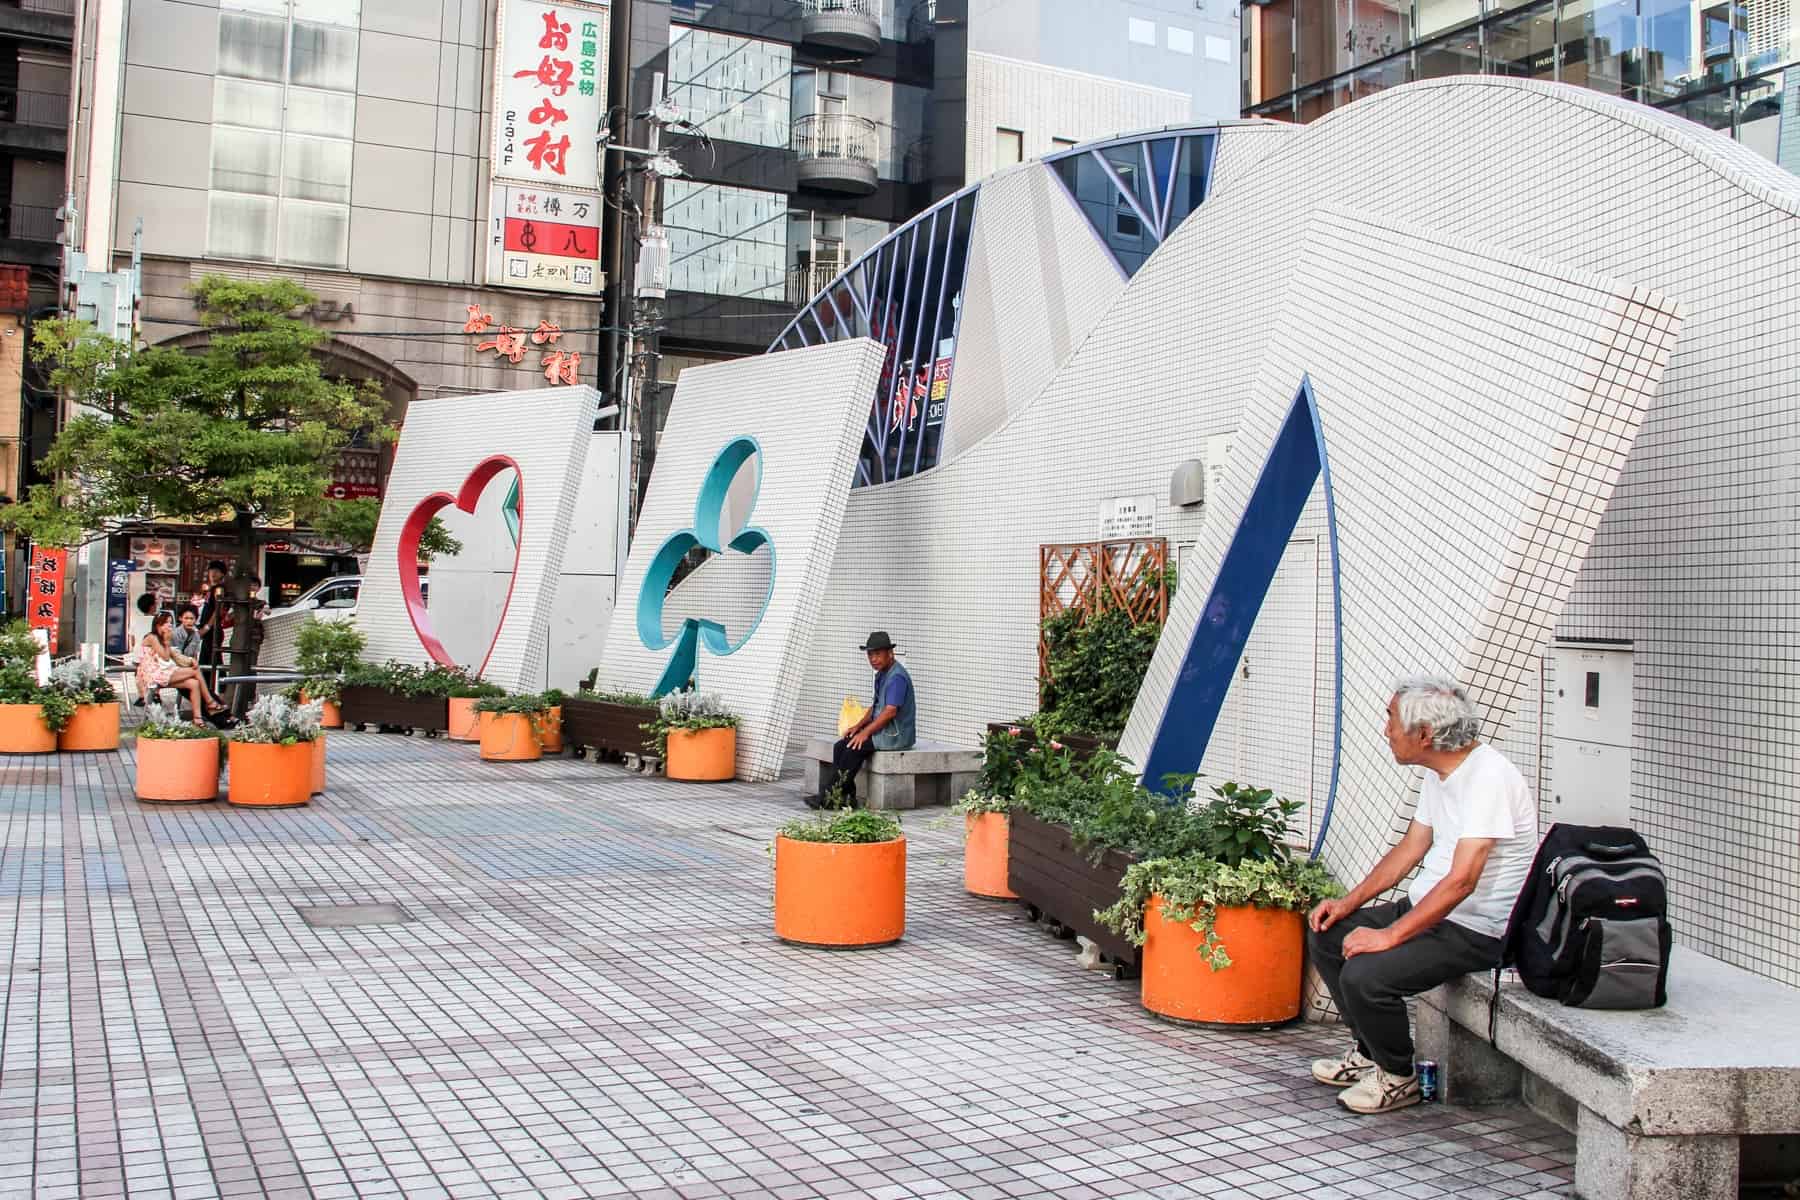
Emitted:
<point x="1475" y="832"/>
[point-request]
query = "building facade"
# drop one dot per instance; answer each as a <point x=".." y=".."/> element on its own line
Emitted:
<point x="1731" y="66"/>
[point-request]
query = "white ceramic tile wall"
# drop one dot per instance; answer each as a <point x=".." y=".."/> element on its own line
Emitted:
<point x="546" y="431"/>
<point x="1694" y="561"/>
<point x="1043" y="103"/>
<point x="808" y="447"/>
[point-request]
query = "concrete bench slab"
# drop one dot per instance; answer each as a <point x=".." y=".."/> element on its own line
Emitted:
<point x="929" y="773"/>
<point x="1657" y="1098"/>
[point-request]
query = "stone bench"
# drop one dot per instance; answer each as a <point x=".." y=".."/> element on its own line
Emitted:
<point x="929" y="773"/>
<point x="1658" y="1099"/>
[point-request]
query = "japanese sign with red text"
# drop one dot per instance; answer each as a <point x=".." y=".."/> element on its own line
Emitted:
<point x="44" y="589"/>
<point x="544" y="239"/>
<point x="549" y="92"/>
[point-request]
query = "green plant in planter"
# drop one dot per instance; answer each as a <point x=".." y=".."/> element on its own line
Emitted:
<point x="553" y="697"/>
<point x="405" y="679"/>
<point x="1097" y="663"/>
<point x="530" y="704"/>
<point x="18" y="677"/>
<point x="469" y="688"/>
<point x="688" y="711"/>
<point x="276" y="720"/>
<point x="159" y="726"/>
<point x="629" y="699"/>
<point x="854" y="826"/>
<point x="1237" y="858"/>
<point x="1104" y="807"/>
<point x="82" y="682"/>
<point x="325" y="651"/>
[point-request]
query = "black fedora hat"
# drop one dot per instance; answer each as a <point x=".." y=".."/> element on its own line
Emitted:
<point x="878" y="640"/>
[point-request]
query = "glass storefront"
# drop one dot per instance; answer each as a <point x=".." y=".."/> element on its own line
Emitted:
<point x="1729" y="66"/>
<point x="726" y="241"/>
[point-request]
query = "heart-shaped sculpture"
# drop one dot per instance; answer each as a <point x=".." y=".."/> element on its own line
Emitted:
<point x="704" y="533"/>
<point x="465" y="499"/>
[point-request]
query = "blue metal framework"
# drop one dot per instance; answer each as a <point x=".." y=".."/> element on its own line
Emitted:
<point x="906" y="292"/>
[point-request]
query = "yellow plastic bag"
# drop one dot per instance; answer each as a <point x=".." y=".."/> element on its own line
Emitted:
<point x="849" y="714"/>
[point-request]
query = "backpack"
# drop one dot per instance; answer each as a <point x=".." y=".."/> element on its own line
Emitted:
<point x="1591" y="925"/>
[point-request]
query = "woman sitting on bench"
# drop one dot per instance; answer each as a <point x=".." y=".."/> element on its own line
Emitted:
<point x="160" y="667"/>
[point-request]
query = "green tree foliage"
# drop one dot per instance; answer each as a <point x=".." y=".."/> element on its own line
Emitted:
<point x="1097" y="664"/>
<point x="246" y="430"/>
<point x="353" y="523"/>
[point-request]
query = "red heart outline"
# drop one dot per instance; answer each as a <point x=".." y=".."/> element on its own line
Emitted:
<point x="465" y="499"/>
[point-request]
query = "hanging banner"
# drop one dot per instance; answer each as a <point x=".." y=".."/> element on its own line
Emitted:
<point x="549" y="92"/>
<point x="546" y="240"/>
<point x="44" y="593"/>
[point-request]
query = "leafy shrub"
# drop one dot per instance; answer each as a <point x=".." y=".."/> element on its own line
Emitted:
<point x="82" y="682"/>
<point x="1097" y="663"/>
<point x="553" y="697"/>
<point x="690" y="711"/>
<point x="276" y="720"/>
<point x="630" y="699"/>
<point x="526" y="703"/>
<point x="1194" y="887"/>
<point x="405" y="679"/>
<point x="327" y="647"/>
<point x="1104" y="807"/>
<point x="851" y="826"/>
<point x="18" y="677"/>
<point x="159" y="726"/>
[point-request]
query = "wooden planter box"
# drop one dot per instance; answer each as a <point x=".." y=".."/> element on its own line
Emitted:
<point x="604" y="727"/>
<point x="1080" y="746"/>
<point x="378" y="706"/>
<point x="1053" y="876"/>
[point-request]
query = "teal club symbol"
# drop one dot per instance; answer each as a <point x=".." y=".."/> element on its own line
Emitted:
<point x="684" y="664"/>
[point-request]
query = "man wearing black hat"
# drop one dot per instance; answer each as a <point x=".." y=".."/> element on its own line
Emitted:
<point x="890" y="723"/>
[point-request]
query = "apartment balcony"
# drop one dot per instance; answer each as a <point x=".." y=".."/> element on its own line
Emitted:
<point x="34" y="124"/>
<point x="45" y="22"/>
<point x="30" y="235"/>
<point x="836" y="152"/>
<point x="849" y="25"/>
<point x="809" y="279"/>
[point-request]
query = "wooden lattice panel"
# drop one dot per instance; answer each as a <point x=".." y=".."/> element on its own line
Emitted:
<point x="1128" y="573"/>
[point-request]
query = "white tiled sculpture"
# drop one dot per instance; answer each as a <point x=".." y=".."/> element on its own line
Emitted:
<point x="544" y="433"/>
<point x="804" y="410"/>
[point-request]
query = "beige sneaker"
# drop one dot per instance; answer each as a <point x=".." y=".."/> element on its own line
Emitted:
<point x="1342" y="1072"/>
<point x="1379" y="1092"/>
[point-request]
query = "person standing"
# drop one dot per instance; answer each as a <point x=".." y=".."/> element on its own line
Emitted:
<point x="1475" y="834"/>
<point x="212" y="621"/>
<point x="246" y="638"/>
<point x="890" y="724"/>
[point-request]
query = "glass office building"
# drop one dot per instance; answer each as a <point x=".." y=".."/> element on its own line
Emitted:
<point x="1733" y="67"/>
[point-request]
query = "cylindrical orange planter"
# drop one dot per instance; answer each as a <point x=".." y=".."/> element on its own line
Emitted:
<point x="177" y="772"/>
<point x="465" y="723"/>
<point x="702" y="755"/>
<point x="22" y="730"/>
<point x="984" y="856"/>
<point x="269" y="775"/>
<point x="549" y="727"/>
<point x="318" y="765"/>
<point x="1260" y="988"/>
<point x="840" y="895"/>
<point x="330" y="715"/>
<point x="93" y="727"/>
<point x="508" y="737"/>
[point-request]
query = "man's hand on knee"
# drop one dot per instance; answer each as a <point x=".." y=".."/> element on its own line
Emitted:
<point x="1368" y="941"/>
<point x="1327" y="913"/>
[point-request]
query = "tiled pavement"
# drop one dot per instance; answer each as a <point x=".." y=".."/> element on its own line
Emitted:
<point x="588" y="1001"/>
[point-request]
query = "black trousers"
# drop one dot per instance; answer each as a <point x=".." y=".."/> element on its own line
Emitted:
<point x="1371" y="989"/>
<point x="846" y="761"/>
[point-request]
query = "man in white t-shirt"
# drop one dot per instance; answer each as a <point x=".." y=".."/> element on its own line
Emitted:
<point x="1473" y="838"/>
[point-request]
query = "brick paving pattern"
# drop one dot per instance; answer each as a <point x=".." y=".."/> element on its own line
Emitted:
<point x="587" y="1000"/>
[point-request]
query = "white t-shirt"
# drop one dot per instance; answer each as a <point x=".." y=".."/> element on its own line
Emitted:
<point x="1485" y="797"/>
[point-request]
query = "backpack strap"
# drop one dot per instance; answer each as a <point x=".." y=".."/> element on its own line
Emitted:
<point x="1494" y="1012"/>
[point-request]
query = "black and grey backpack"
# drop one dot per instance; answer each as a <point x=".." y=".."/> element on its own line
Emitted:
<point x="1591" y="926"/>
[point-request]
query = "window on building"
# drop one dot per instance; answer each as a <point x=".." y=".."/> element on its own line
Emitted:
<point x="1760" y="118"/>
<point x="1458" y="54"/>
<point x="1523" y="43"/>
<point x="1271" y="71"/>
<point x="1062" y="143"/>
<point x="1382" y="28"/>
<point x="736" y="89"/>
<point x="1009" y="147"/>
<point x="284" y="114"/>
<point x="1141" y="31"/>
<point x="1598" y="43"/>
<point x="1181" y="41"/>
<point x="1437" y="16"/>
<point x="726" y="241"/>
<point x="1322" y="39"/>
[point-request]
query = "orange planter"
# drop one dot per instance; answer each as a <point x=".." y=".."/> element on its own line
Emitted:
<point x="465" y="722"/>
<point x="318" y="765"/>
<point x="1260" y="988"/>
<point x="330" y="715"/>
<point x="22" y="730"/>
<point x="842" y="895"/>
<point x="93" y="727"/>
<point x="984" y="856"/>
<point x="177" y="772"/>
<point x="702" y="755"/>
<point x="508" y="737"/>
<point x="549" y="728"/>
<point x="268" y="775"/>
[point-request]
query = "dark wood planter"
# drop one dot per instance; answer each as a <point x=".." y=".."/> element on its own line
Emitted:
<point x="1079" y="745"/>
<point x="378" y="706"/>
<point x="1053" y="876"/>
<point x="605" y="727"/>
